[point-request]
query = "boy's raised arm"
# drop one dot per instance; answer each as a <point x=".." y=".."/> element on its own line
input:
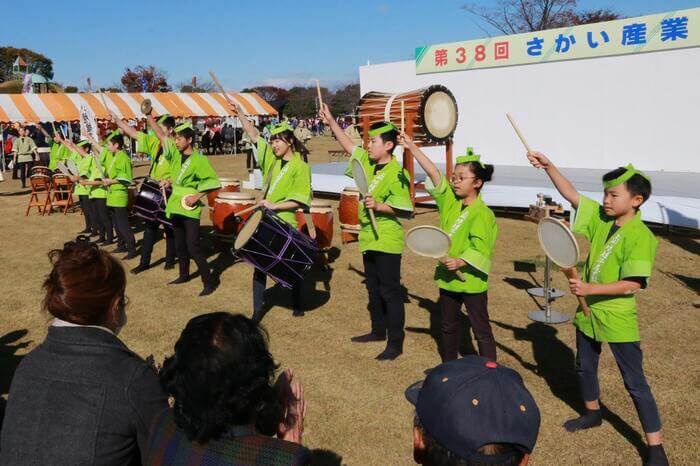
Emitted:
<point x="563" y="185"/>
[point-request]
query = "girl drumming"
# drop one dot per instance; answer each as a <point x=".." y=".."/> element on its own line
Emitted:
<point x="472" y="228"/>
<point x="288" y="187"/>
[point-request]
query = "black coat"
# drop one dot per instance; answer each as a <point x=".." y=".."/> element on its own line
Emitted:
<point x="80" y="398"/>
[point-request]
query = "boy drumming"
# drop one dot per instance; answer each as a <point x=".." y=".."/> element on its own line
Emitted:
<point x="619" y="264"/>
<point x="388" y="197"/>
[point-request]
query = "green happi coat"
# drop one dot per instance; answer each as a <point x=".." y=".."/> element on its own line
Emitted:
<point x="105" y="157"/>
<point x="630" y="252"/>
<point x="84" y="166"/>
<point x="150" y="144"/>
<point x="119" y="168"/>
<point x="388" y="186"/>
<point x="289" y="181"/>
<point x="189" y="175"/>
<point x="472" y="230"/>
<point x="57" y="153"/>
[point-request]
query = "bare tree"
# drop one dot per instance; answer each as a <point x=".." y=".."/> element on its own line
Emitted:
<point x="516" y="16"/>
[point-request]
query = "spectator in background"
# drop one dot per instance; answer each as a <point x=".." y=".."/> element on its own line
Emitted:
<point x="81" y="397"/>
<point x="24" y="152"/>
<point x="473" y="411"/>
<point x="226" y="408"/>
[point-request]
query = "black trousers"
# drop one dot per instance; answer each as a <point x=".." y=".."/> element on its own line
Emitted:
<point x="259" y="285"/>
<point x="250" y="161"/>
<point x="151" y="235"/>
<point x="186" y="232"/>
<point x="120" y="218"/>
<point x="86" y="205"/>
<point x="477" y="311"/>
<point x="104" y="220"/>
<point x="628" y="357"/>
<point x="386" y="297"/>
<point x="24" y="169"/>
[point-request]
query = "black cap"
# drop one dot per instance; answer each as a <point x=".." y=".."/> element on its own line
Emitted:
<point x="471" y="402"/>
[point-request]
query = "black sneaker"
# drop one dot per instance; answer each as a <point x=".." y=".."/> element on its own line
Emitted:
<point x="389" y="354"/>
<point x="367" y="337"/>
<point x="297" y="313"/>
<point x="169" y="266"/>
<point x="131" y="255"/>
<point x="207" y="290"/>
<point x="140" y="268"/>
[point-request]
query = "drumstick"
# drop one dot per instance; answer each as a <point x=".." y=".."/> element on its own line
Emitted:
<point x="403" y="119"/>
<point x="572" y="273"/>
<point x="221" y="88"/>
<point x="310" y="225"/>
<point x="372" y="219"/>
<point x="246" y="210"/>
<point x="517" y="131"/>
<point x="318" y="89"/>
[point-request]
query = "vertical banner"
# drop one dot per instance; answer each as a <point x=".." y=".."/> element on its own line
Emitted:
<point x="88" y="122"/>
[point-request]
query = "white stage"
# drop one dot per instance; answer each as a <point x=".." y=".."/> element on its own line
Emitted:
<point x="675" y="201"/>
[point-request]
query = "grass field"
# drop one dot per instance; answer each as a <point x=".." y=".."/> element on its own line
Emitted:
<point x="357" y="412"/>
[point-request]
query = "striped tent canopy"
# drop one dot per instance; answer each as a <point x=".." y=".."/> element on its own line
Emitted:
<point x="34" y="108"/>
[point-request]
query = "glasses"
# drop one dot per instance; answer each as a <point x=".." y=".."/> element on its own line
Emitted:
<point x="455" y="180"/>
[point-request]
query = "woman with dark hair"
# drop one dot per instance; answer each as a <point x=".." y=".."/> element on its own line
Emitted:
<point x="191" y="177"/>
<point x="287" y="188"/>
<point x="81" y="397"/>
<point x="226" y="408"/>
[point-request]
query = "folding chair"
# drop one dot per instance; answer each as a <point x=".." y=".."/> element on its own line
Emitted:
<point x="62" y="193"/>
<point x="41" y="193"/>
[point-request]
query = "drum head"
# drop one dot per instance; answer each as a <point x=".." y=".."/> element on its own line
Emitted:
<point x="351" y="189"/>
<point x="440" y="114"/>
<point x="248" y="229"/>
<point x="229" y="181"/>
<point x="62" y="168"/>
<point x="320" y="204"/>
<point x="358" y="173"/>
<point x="72" y="167"/>
<point x="146" y="106"/>
<point x="185" y="206"/>
<point x="558" y="242"/>
<point x="428" y="241"/>
<point x="235" y="196"/>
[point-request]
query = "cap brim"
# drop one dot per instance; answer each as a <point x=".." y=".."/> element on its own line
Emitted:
<point x="412" y="392"/>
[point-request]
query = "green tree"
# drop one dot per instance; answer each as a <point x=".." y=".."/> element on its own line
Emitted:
<point x="345" y="100"/>
<point x="37" y="62"/>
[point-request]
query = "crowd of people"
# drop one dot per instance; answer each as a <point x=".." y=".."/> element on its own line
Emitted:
<point x="217" y="397"/>
<point x="82" y="397"/>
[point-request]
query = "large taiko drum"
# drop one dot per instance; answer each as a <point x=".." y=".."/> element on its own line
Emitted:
<point x="132" y="191"/>
<point x="275" y="248"/>
<point x="150" y="202"/>
<point x="228" y="185"/>
<point x="322" y="215"/>
<point x="348" y="214"/>
<point x="435" y="108"/>
<point x="226" y="206"/>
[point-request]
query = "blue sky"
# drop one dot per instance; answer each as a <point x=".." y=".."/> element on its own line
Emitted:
<point x="246" y="43"/>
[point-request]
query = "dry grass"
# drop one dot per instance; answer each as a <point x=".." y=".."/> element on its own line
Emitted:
<point x="356" y="404"/>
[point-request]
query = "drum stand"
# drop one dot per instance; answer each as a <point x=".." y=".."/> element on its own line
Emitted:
<point x="548" y="315"/>
<point x="549" y="293"/>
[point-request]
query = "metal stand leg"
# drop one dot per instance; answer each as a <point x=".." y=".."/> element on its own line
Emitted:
<point x="548" y="316"/>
